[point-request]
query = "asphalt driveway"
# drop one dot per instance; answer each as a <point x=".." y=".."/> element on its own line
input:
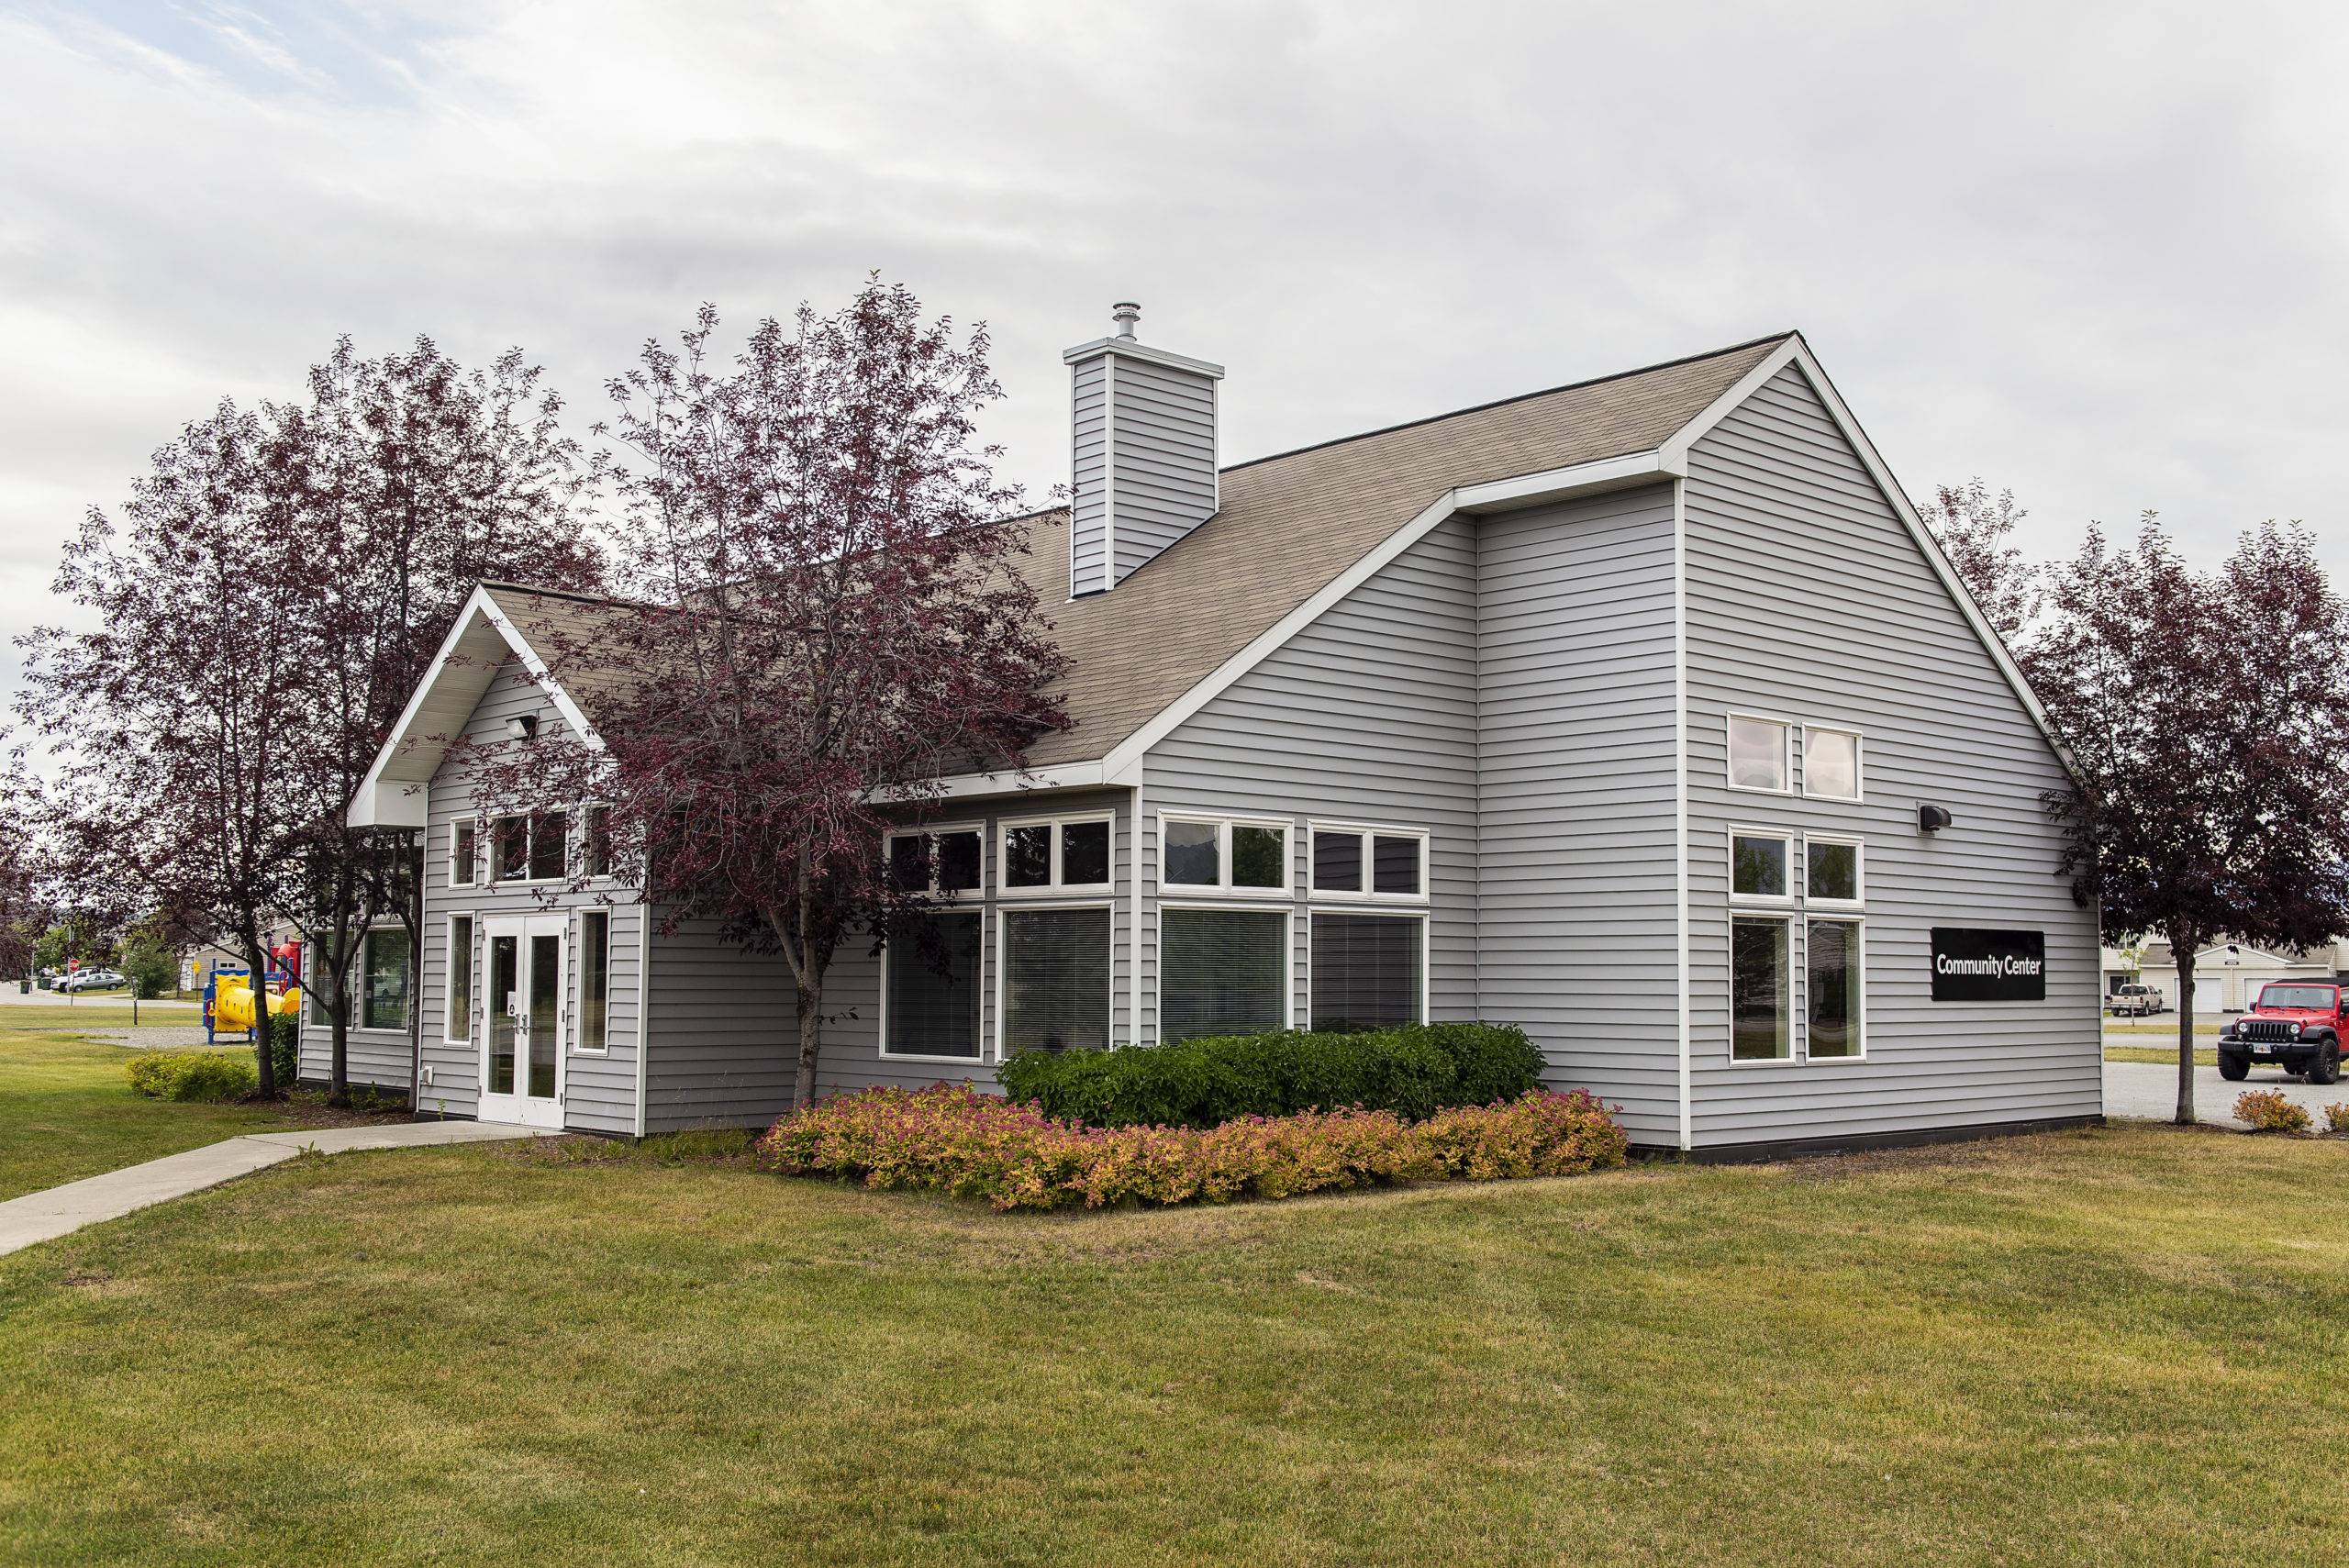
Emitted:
<point x="2150" y="1089"/>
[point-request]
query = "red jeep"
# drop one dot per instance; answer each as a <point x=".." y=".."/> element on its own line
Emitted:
<point x="2295" y="1026"/>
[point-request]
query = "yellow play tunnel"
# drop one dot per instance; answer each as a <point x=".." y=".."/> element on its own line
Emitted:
<point x="233" y="1003"/>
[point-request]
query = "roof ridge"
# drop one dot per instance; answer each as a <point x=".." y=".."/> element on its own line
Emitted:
<point x="1517" y="397"/>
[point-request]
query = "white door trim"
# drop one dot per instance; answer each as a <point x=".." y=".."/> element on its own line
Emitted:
<point x="521" y="1106"/>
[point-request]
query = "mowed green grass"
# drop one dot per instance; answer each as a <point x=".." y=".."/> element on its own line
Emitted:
<point x="2161" y="1055"/>
<point x="67" y="1111"/>
<point x="2117" y="1346"/>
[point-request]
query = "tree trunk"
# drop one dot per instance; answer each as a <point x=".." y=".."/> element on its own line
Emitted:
<point x="265" y="1063"/>
<point x="2185" y="951"/>
<point x="811" y="1042"/>
<point x="338" y="1027"/>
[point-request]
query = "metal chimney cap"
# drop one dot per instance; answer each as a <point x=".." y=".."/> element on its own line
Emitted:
<point x="1125" y="313"/>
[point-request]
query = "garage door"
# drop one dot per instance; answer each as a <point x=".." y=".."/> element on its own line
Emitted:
<point x="2206" y="993"/>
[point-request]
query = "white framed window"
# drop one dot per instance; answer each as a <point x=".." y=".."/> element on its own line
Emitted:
<point x="530" y="848"/>
<point x="1222" y="854"/>
<point x="1835" y="990"/>
<point x="1760" y="865"/>
<point x="465" y="857"/>
<point x="1834" y="871"/>
<point x="457" y="1027"/>
<point x="1044" y="854"/>
<point x="1830" y="764"/>
<point x="1053" y="979"/>
<point x="1223" y="968"/>
<point x="1761" y="987"/>
<point x="930" y="991"/>
<point x="1356" y="862"/>
<point x="384" y="980"/>
<point x="1367" y="968"/>
<point x="592" y="1034"/>
<point x="1760" y="753"/>
<point x="941" y="860"/>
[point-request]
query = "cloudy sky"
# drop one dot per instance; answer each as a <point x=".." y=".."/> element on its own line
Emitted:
<point x="2095" y="253"/>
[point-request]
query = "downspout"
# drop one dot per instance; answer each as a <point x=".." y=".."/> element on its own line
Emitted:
<point x="1680" y="794"/>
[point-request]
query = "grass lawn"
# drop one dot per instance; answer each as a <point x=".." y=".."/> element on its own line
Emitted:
<point x="67" y="1112"/>
<point x="2166" y="1055"/>
<point x="2119" y="1346"/>
<point x="2165" y="1030"/>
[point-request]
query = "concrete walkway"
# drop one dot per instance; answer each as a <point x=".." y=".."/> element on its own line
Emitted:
<point x="60" y="1211"/>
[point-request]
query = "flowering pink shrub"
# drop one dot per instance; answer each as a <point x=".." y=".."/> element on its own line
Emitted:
<point x="958" y="1140"/>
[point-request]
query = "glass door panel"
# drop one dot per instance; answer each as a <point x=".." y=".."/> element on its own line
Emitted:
<point x="505" y="1002"/>
<point x="546" y="991"/>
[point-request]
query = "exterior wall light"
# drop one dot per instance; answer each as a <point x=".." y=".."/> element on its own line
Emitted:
<point x="1932" y="818"/>
<point x="524" y="727"/>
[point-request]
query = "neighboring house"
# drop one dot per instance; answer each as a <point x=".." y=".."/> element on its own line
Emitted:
<point x="1608" y="711"/>
<point x="2228" y="976"/>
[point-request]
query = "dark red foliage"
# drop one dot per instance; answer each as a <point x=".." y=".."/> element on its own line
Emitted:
<point x="2209" y="718"/>
<point x="821" y="615"/>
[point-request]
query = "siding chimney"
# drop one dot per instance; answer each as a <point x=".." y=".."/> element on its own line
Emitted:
<point x="1142" y="453"/>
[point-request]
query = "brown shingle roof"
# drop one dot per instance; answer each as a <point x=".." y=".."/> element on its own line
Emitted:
<point x="1291" y="524"/>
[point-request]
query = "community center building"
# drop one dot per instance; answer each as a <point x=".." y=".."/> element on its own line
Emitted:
<point x="1643" y="713"/>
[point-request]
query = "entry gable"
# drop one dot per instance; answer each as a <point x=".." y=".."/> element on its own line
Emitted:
<point x="483" y="639"/>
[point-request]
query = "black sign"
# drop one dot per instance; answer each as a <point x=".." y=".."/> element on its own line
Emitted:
<point x="1988" y="966"/>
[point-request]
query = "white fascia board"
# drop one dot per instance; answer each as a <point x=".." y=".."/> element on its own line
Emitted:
<point x="382" y="800"/>
<point x="1073" y="775"/>
<point x="1563" y="484"/>
<point x="1132" y="350"/>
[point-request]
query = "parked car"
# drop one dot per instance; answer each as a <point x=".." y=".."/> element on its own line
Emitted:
<point x="2134" y="1002"/>
<point x="92" y="980"/>
<point x="2294" y="1025"/>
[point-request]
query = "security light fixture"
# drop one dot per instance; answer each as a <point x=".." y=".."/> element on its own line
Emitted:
<point x="1931" y="818"/>
<point x="523" y="727"/>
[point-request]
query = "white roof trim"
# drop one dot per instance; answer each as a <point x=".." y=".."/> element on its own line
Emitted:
<point x="1134" y="351"/>
<point x="383" y="801"/>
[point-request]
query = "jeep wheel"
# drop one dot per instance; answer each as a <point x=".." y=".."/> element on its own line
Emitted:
<point x="2234" y="1069"/>
<point x="2325" y="1066"/>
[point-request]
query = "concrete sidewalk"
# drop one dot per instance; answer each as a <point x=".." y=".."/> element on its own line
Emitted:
<point x="60" y="1211"/>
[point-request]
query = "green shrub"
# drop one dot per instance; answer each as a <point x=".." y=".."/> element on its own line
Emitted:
<point x="1414" y="1070"/>
<point x="284" y="1049"/>
<point x="2268" y="1111"/>
<point x="191" y="1075"/>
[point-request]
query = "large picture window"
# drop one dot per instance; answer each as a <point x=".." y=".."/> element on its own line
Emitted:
<point x="1759" y="989"/>
<point x="1205" y="854"/>
<point x="1060" y="852"/>
<point x="1366" y="969"/>
<point x="1834" y="992"/>
<point x="383" y="993"/>
<point x="928" y="1013"/>
<point x="1056" y="979"/>
<point x="461" y="978"/>
<point x="1221" y="972"/>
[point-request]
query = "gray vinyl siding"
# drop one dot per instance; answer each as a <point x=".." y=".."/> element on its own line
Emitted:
<point x="726" y="1050"/>
<point x="1089" y="504"/>
<point x="1164" y="479"/>
<point x="1808" y="600"/>
<point x="1143" y="463"/>
<point x="1367" y="715"/>
<point x="1578" y="902"/>
<point x="598" y="1088"/>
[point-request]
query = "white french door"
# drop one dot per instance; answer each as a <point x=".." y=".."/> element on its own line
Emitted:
<point x="523" y="985"/>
